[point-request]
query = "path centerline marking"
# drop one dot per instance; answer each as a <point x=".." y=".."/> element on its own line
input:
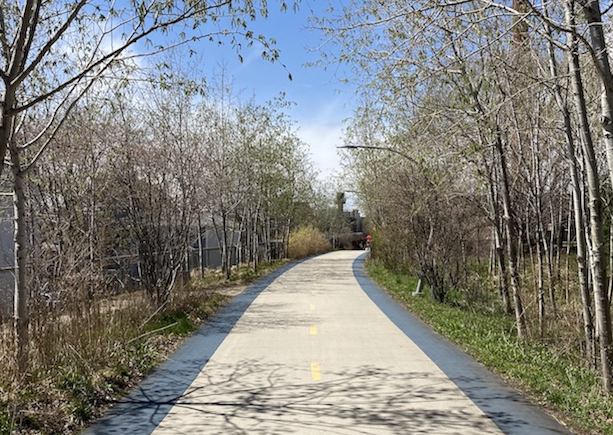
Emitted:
<point x="315" y="371"/>
<point x="313" y="330"/>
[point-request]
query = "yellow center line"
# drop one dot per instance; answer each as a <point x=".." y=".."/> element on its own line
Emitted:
<point x="315" y="371"/>
<point x="312" y="307"/>
<point x="313" y="330"/>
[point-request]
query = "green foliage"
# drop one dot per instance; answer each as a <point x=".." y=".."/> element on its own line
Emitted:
<point x="307" y="241"/>
<point x="80" y="392"/>
<point x="6" y="423"/>
<point x="172" y="322"/>
<point x="542" y="372"/>
<point x="386" y="249"/>
<point x="143" y="356"/>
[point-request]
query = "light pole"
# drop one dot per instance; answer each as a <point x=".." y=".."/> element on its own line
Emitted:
<point x="418" y="291"/>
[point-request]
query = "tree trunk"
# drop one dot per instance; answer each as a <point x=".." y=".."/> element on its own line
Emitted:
<point x="576" y="198"/>
<point x="568" y="240"/>
<point x="268" y="241"/>
<point x="593" y="16"/>
<point x="492" y="259"/>
<point x="256" y="253"/>
<point x="541" y="243"/>
<point x="509" y="221"/>
<point x="239" y="234"/>
<point x="226" y="251"/>
<point x="547" y="248"/>
<point x="21" y="312"/>
<point x="503" y="282"/>
<point x="200" y="247"/>
<point x="603" y="320"/>
<point x="286" y="239"/>
<point x="559" y="239"/>
<point x="548" y="254"/>
<point x="540" y="287"/>
<point x="610" y="281"/>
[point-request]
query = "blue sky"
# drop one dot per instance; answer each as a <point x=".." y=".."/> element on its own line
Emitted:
<point x="322" y="102"/>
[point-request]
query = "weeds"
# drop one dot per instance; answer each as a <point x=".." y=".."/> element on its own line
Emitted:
<point x="87" y="356"/>
<point x="172" y="322"/>
<point x="6" y="423"/>
<point x="213" y="279"/>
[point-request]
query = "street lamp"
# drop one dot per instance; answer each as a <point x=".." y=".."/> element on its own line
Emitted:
<point x="418" y="291"/>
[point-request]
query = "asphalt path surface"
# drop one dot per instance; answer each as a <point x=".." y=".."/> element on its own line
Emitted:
<point x="317" y="348"/>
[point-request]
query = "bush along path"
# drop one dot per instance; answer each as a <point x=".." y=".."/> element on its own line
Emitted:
<point x="92" y="357"/>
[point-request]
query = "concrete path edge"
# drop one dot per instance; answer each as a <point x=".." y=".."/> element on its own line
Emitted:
<point x="145" y="407"/>
<point x="508" y="409"/>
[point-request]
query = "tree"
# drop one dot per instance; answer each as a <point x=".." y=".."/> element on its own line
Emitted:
<point x="502" y="93"/>
<point x="157" y="171"/>
<point x="53" y="53"/>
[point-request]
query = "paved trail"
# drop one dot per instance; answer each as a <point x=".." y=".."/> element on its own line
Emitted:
<point x="319" y="349"/>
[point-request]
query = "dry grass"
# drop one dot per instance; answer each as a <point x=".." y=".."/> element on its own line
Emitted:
<point x="87" y="354"/>
<point x="307" y="241"/>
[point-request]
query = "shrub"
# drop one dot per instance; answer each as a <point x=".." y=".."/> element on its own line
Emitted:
<point x="307" y="241"/>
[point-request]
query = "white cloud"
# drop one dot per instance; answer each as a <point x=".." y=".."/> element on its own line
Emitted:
<point x="322" y="129"/>
<point x="323" y="138"/>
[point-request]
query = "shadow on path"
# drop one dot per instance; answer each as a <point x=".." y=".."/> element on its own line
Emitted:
<point x="259" y="398"/>
<point x="511" y="412"/>
<point x="145" y="407"/>
<point x="263" y="399"/>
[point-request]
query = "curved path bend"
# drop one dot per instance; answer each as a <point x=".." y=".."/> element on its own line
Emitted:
<point x="317" y="348"/>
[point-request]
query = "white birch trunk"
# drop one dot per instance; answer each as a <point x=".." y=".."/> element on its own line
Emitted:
<point x="21" y="314"/>
<point x="509" y="221"/>
<point x="603" y="320"/>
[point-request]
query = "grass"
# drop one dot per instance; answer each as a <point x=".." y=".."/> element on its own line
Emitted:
<point x="548" y="375"/>
<point x="86" y="357"/>
<point x="6" y="423"/>
<point x="215" y="279"/>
